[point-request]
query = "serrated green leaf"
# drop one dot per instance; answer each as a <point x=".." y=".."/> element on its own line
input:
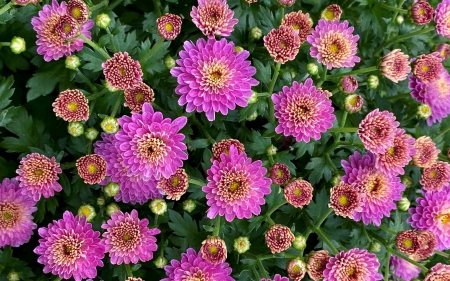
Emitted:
<point x="259" y="144"/>
<point x="6" y="91"/>
<point x="6" y="115"/>
<point x="185" y="226"/>
<point x="200" y="143"/>
<point x="318" y="206"/>
<point x="263" y="72"/>
<point x="320" y="169"/>
<point x="124" y="41"/>
<point x="93" y="59"/>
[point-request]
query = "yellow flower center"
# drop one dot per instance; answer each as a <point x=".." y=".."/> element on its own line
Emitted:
<point x="433" y="174"/>
<point x="67" y="249"/>
<point x="109" y="127"/>
<point x="351" y="271"/>
<point x="296" y="269"/>
<point x="425" y="68"/>
<point x="7" y="216"/>
<point x="343" y="200"/>
<point x="92" y="168"/>
<point x="298" y="192"/>
<point x="38" y="172"/>
<point x="72" y="106"/>
<point x="407" y="243"/>
<point x="122" y="71"/>
<point x="283" y="44"/>
<point x="235" y="185"/>
<point x="86" y="212"/>
<point x="213" y="249"/>
<point x="67" y="28"/>
<point x="329" y="15"/>
<point x="391" y="150"/>
<point x="139" y="97"/>
<point x="421" y="11"/>
<point x="76" y="12"/>
<point x="169" y="27"/>
<point x="444" y="218"/>
<point x="175" y="181"/>
<point x="353" y="101"/>
<point x="296" y="26"/>
<point x="126" y="237"/>
<point x="279" y="174"/>
<point x="334" y="48"/>
<point x="425" y="109"/>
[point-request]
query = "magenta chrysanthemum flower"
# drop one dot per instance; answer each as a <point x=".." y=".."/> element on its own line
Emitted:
<point x="277" y="277"/>
<point x="354" y="264"/>
<point x="442" y="18"/>
<point x="377" y="131"/>
<point x="331" y="12"/>
<point x="137" y="96"/>
<point x="69" y="247"/>
<point x="348" y="84"/>
<point x="16" y="219"/>
<point x="395" y="66"/>
<point x="128" y="239"/>
<point x="122" y="72"/>
<point x="443" y="50"/>
<point x="91" y="168"/>
<point x="279" y="173"/>
<point x="151" y="145"/>
<point x="428" y="67"/>
<point x="378" y="190"/>
<point x="299" y="21"/>
<point x="38" y="175"/>
<point x="283" y="43"/>
<point x="212" y="77"/>
<point x="426" y="152"/>
<point x="56" y="33"/>
<point x="72" y="106"/>
<point x="192" y="266"/>
<point x="422" y="12"/>
<point x="133" y="189"/>
<point x="439" y="272"/>
<point x="298" y="193"/>
<point x="403" y="269"/>
<point x="175" y="186"/>
<point x="213" y="17"/>
<point x="435" y="177"/>
<point x="214" y="250"/>
<point x="333" y="44"/>
<point x="303" y="111"/>
<point x="433" y="214"/>
<point x="236" y="186"/>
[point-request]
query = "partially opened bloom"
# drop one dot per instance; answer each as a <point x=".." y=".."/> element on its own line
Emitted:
<point x="299" y="21"/>
<point x="71" y="106"/>
<point x="422" y="12"/>
<point x="353" y="103"/>
<point x="442" y="18"/>
<point x="331" y="12"/>
<point x="192" y="266"/>
<point x="298" y="193"/>
<point x="345" y="200"/>
<point x="283" y="43"/>
<point x="213" y="17"/>
<point x="348" y="84"/>
<point x="128" y="239"/>
<point x="443" y="51"/>
<point x="435" y="177"/>
<point x="91" y="168"/>
<point x="16" y="219"/>
<point x="137" y="96"/>
<point x="38" y="175"/>
<point x="176" y="185"/>
<point x="78" y="10"/>
<point x="223" y="146"/>
<point x="428" y="67"/>
<point x="317" y="262"/>
<point x="169" y="26"/>
<point x="214" y="250"/>
<point x="333" y="44"/>
<point x="279" y="238"/>
<point x="439" y="272"/>
<point x="296" y="269"/>
<point x="303" y="111"/>
<point x="236" y="186"/>
<point x="426" y="152"/>
<point x="279" y="173"/>
<point x="403" y="269"/>
<point x="407" y="242"/>
<point x="212" y="77"/>
<point x="427" y="244"/>
<point x="134" y="279"/>
<point x="354" y="264"/>
<point x="286" y="3"/>
<point x="70" y="248"/>
<point x="122" y="72"/>
<point x="395" y="66"/>
<point x="57" y="32"/>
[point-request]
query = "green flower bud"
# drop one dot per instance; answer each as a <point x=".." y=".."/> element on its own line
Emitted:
<point x="400" y="19"/>
<point x="109" y="125"/>
<point x="253" y="116"/>
<point x="373" y="81"/>
<point x="375" y="247"/>
<point x="102" y="20"/>
<point x="189" y="205"/>
<point x="72" y="62"/>
<point x="253" y="98"/>
<point x="336" y="180"/>
<point x="271" y="150"/>
<point x="424" y="111"/>
<point x="87" y="211"/>
<point x="101" y="201"/>
<point x="75" y="129"/>
<point x="91" y="134"/>
<point x="111" y="189"/>
<point x="299" y="242"/>
<point x="109" y="87"/>
<point x="158" y="206"/>
<point x="403" y="204"/>
<point x="112" y="209"/>
<point x="18" y="45"/>
<point x="160" y="262"/>
<point x="406" y="181"/>
<point x="169" y="62"/>
<point x="238" y="49"/>
<point x="256" y="33"/>
<point x="13" y="276"/>
<point x="241" y="244"/>
<point x="312" y="68"/>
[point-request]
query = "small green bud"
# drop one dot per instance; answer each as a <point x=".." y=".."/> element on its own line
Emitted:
<point x="189" y="205"/>
<point x="101" y="201"/>
<point x="312" y="68"/>
<point x="293" y="73"/>
<point x="18" y="45"/>
<point x="403" y="204"/>
<point x="256" y="33"/>
<point x="111" y="189"/>
<point x="241" y="244"/>
<point x="13" y="276"/>
<point x="87" y="211"/>
<point x="160" y="262"/>
<point x="424" y="111"/>
<point x="109" y="125"/>
<point x="158" y="206"/>
<point x="253" y="116"/>
<point x="375" y="247"/>
<point x="91" y="134"/>
<point x="406" y="181"/>
<point x="75" y="129"/>
<point x="253" y="98"/>
<point x="72" y="62"/>
<point x="271" y="150"/>
<point x="400" y="19"/>
<point x="238" y="49"/>
<point x="336" y="180"/>
<point x="109" y="87"/>
<point x="169" y="62"/>
<point x="299" y="242"/>
<point x="373" y="81"/>
<point x="112" y="209"/>
<point x="102" y="21"/>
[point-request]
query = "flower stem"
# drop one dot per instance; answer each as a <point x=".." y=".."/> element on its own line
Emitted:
<point x="386" y="266"/>
<point x="261" y="268"/>
<point x="399" y="96"/>
<point x="95" y="46"/>
<point x="87" y="81"/>
<point x="204" y="131"/>
<point x="157" y="7"/>
<point x="255" y="272"/>
<point x="152" y="51"/>
<point x="116" y="106"/>
<point x="358" y="71"/>
<point x="343" y="130"/>
<point x="387" y="229"/>
<point x="442" y="133"/>
<point x="129" y="272"/>
<point x="97" y="95"/>
<point x="196" y="182"/>
<point x="274" y="208"/>
<point x="111" y="40"/>
<point x="6" y="7"/>
<point x="403" y="37"/>
<point x="155" y="223"/>
<point x="98" y="6"/>
<point x="269" y="220"/>
<point x="326" y="240"/>
<point x="68" y="165"/>
<point x="323" y="218"/>
<point x="270" y="91"/>
<point x="394" y="9"/>
<point x="217" y="226"/>
<point x="115" y="4"/>
<point x="4" y="44"/>
<point x="445" y="255"/>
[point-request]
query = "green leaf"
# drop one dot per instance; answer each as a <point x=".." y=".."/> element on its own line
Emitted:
<point x="199" y="143"/>
<point x="45" y="205"/>
<point x="5" y="91"/>
<point x="320" y="169"/>
<point x="93" y="59"/>
<point x="259" y="144"/>
<point x="120" y="271"/>
<point x="6" y="115"/>
<point x="302" y="148"/>
<point x="319" y="206"/>
<point x="155" y="62"/>
<point x="263" y="72"/>
<point x="124" y="41"/>
<point x="185" y="227"/>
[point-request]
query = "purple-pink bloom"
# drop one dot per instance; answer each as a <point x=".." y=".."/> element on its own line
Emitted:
<point x="128" y="239"/>
<point x="403" y="269"/>
<point x="213" y="17"/>
<point x="16" y="219"/>
<point x="57" y="33"/>
<point x="192" y="266"/>
<point x="69" y="247"/>
<point x="441" y="17"/>
<point x="303" y="111"/>
<point x="212" y="77"/>
<point x="236" y="186"/>
<point x="277" y="277"/>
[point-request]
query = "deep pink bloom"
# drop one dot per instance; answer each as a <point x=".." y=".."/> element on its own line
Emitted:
<point x="283" y="43"/>
<point x="213" y="17"/>
<point x="69" y="247"/>
<point x="169" y="26"/>
<point x="298" y="193"/>
<point x="422" y="12"/>
<point x="345" y="199"/>
<point x="91" y="168"/>
<point x="122" y="72"/>
<point x="279" y="238"/>
<point x="316" y="264"/>
<point x="78" y="10"/>
<point x="428" y="67"/>
<point x="435" y="177"/>
<point x="212" y="77"/>
<point x="439" y="272"/>
<point x="54" y="41"/>
<point x="442" y="18"/>
<point x="129" y="239"/>
<point x="72" y="106"/>
<point x="277" y="277"/>
<point x="403" y="269"/>
<point x="348" y="84"/>
<point x="299" y="21"/>
<point x="137" y="96"/>
<point x="223" y="146"/>
<point x="236" y="186"/>
<point x="175" y="186"/>
<point x="333" y="44"/>
<point x="443" y="50"/>
<point x="16" y="219"/>
<point x="192" y="266"/>
<point x="303" y="111"/>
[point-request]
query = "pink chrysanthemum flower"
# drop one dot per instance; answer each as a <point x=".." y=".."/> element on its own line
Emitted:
<point x="331" y="12"/>
<point x="69" y="247"/>
<point x="169" y="26"/>
<point x="317" y="263"/>
<point x="151" y="145"/>
<point x="443" y="51"/>
<point x="433" y="214"/>
<point x="279" y="238"/>
<point x="407" y="242"/>
<point x="377" y="131"/>
<point x="133" y="189"/>
<point x="286" y="3"/>
<point x="213" y="17"/>
<point x="298" y="193"/>
<point x="71" y="106"/>
<point x="122" y="72"/>
<point x="279" y="173"/>
<point x="57" y="33"/>
<point x="378" y="190"/>
<point x="427" y="244"/>
<point x="426" y="152"/>
<point x="348" y="84"/>
<point x="442" y="18"/>
<point x="354" y="264"/>
<point x="129" y="239"/>
<point x="137" y="96"/>
<point x="192" y="266"/>
<point x="78" y="10"/>
<point x="223" y="146"/>
<point x="422" y="12"/>
<point x="296" y="269"/>
<point x="38" y="175"/>
<point x="283" y="44"/>
<point x="277" y="277"/>
<point x="395" y="66"/>
<point x="435" y="177"/>
<point x="439" y="272"/>
<point x="345" y="200"/>
<point x="300" y="22"/>
<point x="303" y="111"/>
<point x="212" y="77"/>
<point x="214" y="250"/>
<point x="333" y="44"/>
<point x="428" y="67"/>
<point x="236" y="186"/>
<point x="403" y="269"/>
<point x="16" y="219"/>
<point x="175" y="186"/>
<point x="91" y="168"/>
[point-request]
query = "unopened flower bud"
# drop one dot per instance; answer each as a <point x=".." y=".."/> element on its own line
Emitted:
<point x="72" y="62"/>
<point x="241" y="244"/>
<point x="189" y="205"/>
<point x="87" y="211"/>
<point x="160" y="262"/>
<point x="169" y="62"/>
<point x="238" y="49"/>
<point x="406" y="181"/>
<point x="110" y="87"/>
<point x="403" y="204"/>
<point x="102" y="21"/>
<point x="111" y="189"/>
<point x="353" y="103"/>
<point x="101" y="201"/>
<point x="271" y="150"/>
<point x="373" y="81"/>
<point x="256" y="33"/>
<point x="91" y="134"/>
<point x="112" y="208"/>
<point x="253" y="116"/>
<point x="375" y="247"/>
<point x="13" y="276"/>
<point x="253" y="98"/>
<point x="109" y="125"/>
<point x="75" y="129"/>
<point x="299" y="242"/>
<point x="286" y="3"/>
<point x="348" y="84"/>
<point x="336" y="180"/>
<point x="312" y="68"/>
<point x="18" y="45"/>
<point x="424" y="111"/>
<point x="158" y="206"/>
<point x="400" y="19"/>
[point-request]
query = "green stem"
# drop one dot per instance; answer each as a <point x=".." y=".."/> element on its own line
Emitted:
<point x="394" y="9"/>
<point x="323" y="78"/>
<point x="403" y="37"/>
<point x="387" y="229"/>
<point x="261" y="268"/>
<point x="116" y="106"/>
<point x="255" y="272"/>
<point x="326" y="240"/>
<point x="358" y="71"/>
<point x="399" y="96"/>
<point x="387" y="34"/>
<point x="217" y="226"/>
<point x="6" y="7"/>
<point x="157" y="7"/>
<point x="68" y="165"/>
<point x="86" y="80"/>
<point x="323" y="218"/>
<point x="89" y="148"/>
<point x="95" y="46"/>
<point x="152" y="51"/>
<point x="343" y="119"/>
<point x="204" y="131"/>
<point x="155" y="223"/>
<point x="445" y="255"/>
<point x="97" y="95"/>
<point x="129" y="272"/>
<point x="269" y="220"/>
<point x="4" y="44"/>
<point x="113" y="5"/>
<point x="335" y="170"/>
<point x="274" y="208"/>
<point x="441" y="133"/>
<point x="386" y="266"/>
<point x="343" y="130"/>
<point x="443" y="158"/>
<point x="270" y="91"/>
<point x="98" y="6"/>
<point x="111" y="40"/>
<point x="348" y="143"/>
<point x="196" y="182"/>
<point x="271" y="160"/>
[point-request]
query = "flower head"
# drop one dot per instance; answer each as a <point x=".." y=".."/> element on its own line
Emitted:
<point x="426" y="152"/>
<point x="91" y="168"/>
<point x="69" y="247"/>
<point x="435" y="177"/>
<point x="57" y="31"/>
<point x="407" y="242"/>
<point x="354" y="264"/>
<point x="345" y="200"/>
<point x="213" y="17"/>
<point x="296" y="269"/>
<point x="443" y="51"/>
<point x="169" y="26"/>
<point x="38" y="175"/>
<point x="286" y="3"/>
<point x="279" y="238"/>
<point x="283" y="44"/>
<point x="224" y="146"/>
<point x="137" y="96"/>
<point x="395" y="66"/>
<point x="303" y="111"/>
<point x="333" y="44"/>
<point x="427" y="67"/>
<point x="299" y="21"/>
<point x="403" y="269"/>
<point x="122" y="72"/>
<point x="129" y="239"/>
<point x="353" y="103"/>
<point x="442" y="18"/>
<point x="427" y="244"/>
<point x="87" y="211"/>
<point x="422" y="12"/>
<point x="317" y="262"/>
<point x="279" y="173"/>
<point x="278" y="277"/>
<point x="236" y="186"/>
<point x="348" y="84"/>
<point x="298" y="193"/>
<point x="16" y="219"/>
<point x="241" y="244"/>
<point x="331" y="12"/>
<point x="212" y="77"/>
<point x="78" y="10"/>
<point x="72" y="106"/>
<point x="439" y="272"/>
<point x="175" y="186"/>
<point x="214" y="250"/>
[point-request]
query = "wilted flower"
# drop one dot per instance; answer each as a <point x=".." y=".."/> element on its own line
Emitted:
<point x="213" y="17"/>
<point x="122" y="72"/>
<point x="91" y="168"/>
<point x="72" y="106"/>
<point x="299" y="21"/>
<point x="283" y="44"/>
<point x="169" y="26"/>
<point x="395" y="66"/>
<point x="279" y="238"/>
<point x="175" y="186"/>
<point x="214" y="250"/>
<point x="298" y="193"/>
<point x="317" y="262"/>
<point x="137" y="96"/>
<point x="331" y="12"/>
